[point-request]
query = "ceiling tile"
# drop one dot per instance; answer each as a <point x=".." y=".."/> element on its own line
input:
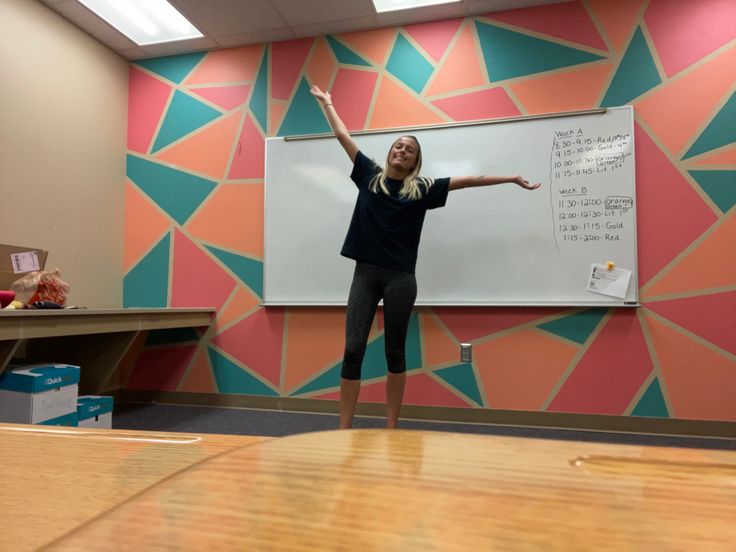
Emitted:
<point x="181" y="47"/>
<point x="275" y="35"/>
<point x="306" y="12"/>
<point x="230" y="17"/>
<point x="337" y="27"/>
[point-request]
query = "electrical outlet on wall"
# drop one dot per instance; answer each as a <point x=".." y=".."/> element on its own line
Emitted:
<point x="466" y="352"/>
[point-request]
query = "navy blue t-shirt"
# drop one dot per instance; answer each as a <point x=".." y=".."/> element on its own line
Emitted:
<point x="385" y="229"/>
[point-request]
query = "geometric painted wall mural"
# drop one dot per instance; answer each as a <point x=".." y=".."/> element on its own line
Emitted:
<point x="194" y="207"/>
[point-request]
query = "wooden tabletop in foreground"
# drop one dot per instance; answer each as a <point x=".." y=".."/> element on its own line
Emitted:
<point x="413" y="490"/>
<point x="54" y="479"/>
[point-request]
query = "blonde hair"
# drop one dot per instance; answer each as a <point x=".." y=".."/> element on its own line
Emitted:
<point x="414" y="185"/>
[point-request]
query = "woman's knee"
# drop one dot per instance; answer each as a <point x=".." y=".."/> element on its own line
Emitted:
<point x="396" y="361"/>
<point x="351" y="363"/>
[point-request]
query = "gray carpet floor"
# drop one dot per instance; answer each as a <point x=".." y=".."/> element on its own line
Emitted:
<point x="240" y="421"/>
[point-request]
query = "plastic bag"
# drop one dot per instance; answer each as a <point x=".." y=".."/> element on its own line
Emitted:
<point x="41" y="286"/>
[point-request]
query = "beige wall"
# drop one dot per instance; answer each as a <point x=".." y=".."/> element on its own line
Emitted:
<point x="63" y="116"/>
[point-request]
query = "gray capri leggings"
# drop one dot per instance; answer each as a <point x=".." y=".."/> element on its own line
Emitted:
<point x="398" y="290"/>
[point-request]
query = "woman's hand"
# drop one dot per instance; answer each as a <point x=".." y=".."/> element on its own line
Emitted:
<point x="323" y="97"/>
<point x="525" y="183"/>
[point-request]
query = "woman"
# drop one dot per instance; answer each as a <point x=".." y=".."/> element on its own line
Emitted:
<point x="383" y="239"/>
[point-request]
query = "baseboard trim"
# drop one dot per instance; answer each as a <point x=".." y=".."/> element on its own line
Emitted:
<point x="550" y="420"/>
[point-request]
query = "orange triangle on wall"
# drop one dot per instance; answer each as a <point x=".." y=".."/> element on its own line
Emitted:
<point x="144" y="225"/>
<point x="699" y="381"/>
<point x="395" y="107"/>
<point x="701" y="89"/>
<point x="276" y="116"/>
<point x="374" y="44"/>
<point x="241" y="303"/>
<point x="437" y="345"/>
<point x="725" y="156"/>
<point x="712" y="264"/>
<point x="207" y="151"/>
<point x="461" y="69"/>
<point x="232" y="218"/>
<point x="569" y="90"/>
<point x="228" y="65"/>
<point x="618" y="19"/>
<point x="199" y="378"/>
<point x="519" y="370"/>
<point x="321" y="67"/>
<point x="315" y="340"/>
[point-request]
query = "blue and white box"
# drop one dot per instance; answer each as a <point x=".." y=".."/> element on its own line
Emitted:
<point x="39" y="394"/>
<point x="94" y="411"/>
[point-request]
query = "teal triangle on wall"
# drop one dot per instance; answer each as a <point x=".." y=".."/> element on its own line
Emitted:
<point x="509" y="54"/>
<point x="147" y="283"/>
<point x="326" y="380"/>
<point x="374" y="362"/>
<point x="304" y="116"/>
<point x="185" y="115"/>
<point x="248" y="270"/>
<point x="231" y="378"/>
<point x="462" y="378"/>
<point x="345" y="54"/>
<point x="635" y="75"/>
<point x="576" y="327"/>
<point x="259" y="98"/>
<point x="719" y="185"/>
<point x="408" y="65"/>
<point x="173" y="68"/>
<point x="176" y="192"/>
<point x="719" y="132"/>
<point x="652" y="402"/>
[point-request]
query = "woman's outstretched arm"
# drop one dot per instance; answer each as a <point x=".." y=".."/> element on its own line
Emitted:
<point x="338" y="127"/>
<point x="459" y="182"/>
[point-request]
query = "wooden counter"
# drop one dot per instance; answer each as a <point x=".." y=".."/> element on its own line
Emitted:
<point x="410" y="490"/>
<point x="95" y="339"/>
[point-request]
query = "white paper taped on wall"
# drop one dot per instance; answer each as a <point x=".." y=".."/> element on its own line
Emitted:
<point x="609" y="281"/>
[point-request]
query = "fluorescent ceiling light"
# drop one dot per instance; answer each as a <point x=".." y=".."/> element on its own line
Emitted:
<point x="393" y="5"/>
<point x="144" y="21"/>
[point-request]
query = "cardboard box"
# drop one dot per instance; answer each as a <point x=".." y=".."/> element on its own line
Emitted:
<point x="94" y="411"/>
<point x="38" y="393"/>
<point x="68" y="420"/>
<point x="10" y="270"/>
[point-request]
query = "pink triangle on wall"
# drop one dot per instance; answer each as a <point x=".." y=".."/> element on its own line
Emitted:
<point x="704" y="316"/>
<point x="670" y="214"/>
<point x="227" y="97"/>
<point x="493" y="103"/>
<point x="612" y="371"/>
<point x="287" y="59"/>
<point x="147" y="98"/>
<point x="684" y="32"/>
<point x="568" y="21"/>
<point x="434" y="37"/>
<point x="197" y="281"/>
<point x="161" y="368"/>
<point x="248" y="160"/>
<point x="256" y="341"/>
<point x="353" y="91"/>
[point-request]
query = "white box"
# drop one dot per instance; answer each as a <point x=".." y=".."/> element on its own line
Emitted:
<point x="69" y="420"/>
<point x="38" y="393"/>
<point x="94" y="411"/>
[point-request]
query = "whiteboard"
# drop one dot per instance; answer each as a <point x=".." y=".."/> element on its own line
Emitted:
<point x="494" y="245"/>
